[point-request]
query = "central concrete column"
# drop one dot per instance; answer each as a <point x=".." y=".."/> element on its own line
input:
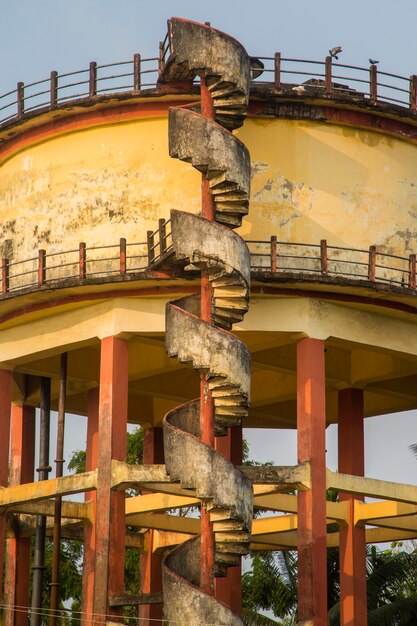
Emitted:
<point x="353" y="606"/>
<point x="110" y="505"/>
<point x="228" y="589"/>
<point x="311" y="434"/>
<point x="151" y="563"/>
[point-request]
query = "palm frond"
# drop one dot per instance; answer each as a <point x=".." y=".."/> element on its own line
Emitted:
<point x="387" y="576"/>
<point x="333" y="615"/>
<point x="399" y="613"/>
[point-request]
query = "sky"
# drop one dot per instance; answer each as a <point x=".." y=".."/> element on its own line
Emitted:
<point x="43" y="35"/>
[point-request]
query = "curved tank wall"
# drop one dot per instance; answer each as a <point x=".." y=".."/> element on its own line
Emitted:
<point x="310" y="181"/>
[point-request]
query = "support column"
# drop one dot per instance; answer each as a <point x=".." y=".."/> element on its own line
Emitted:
<point x="311" y="427"/>
<point x="110" y="518"/>
<point x="91" y="462"/>
<point x="5" y="411"/>
<point x="228" y="589"/>
<point x="151" y="563"/>
<point x="353" y="609"/>
<point x="22" y="460"/>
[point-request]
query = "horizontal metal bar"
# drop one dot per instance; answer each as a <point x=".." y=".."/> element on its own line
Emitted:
<point x="73" y="73"/>
<point x="81" y="82"/>
<point x="99" y="67"/>
<point x="37" y="106"/>
<point x="34" y="95"/>
<point x="50" y="254"/>
<point x="113" y="76"/>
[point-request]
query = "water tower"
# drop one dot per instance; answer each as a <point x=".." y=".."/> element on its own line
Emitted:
<point x="144" y="206"/>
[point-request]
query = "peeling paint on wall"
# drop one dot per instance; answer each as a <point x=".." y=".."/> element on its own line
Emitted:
<point x="311" y="181"/>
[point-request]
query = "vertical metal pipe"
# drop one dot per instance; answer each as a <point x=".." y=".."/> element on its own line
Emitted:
<point x="44" y="469"/>
<point x="59" y="461"/>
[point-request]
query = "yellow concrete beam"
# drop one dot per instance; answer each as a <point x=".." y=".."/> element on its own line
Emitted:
<point x="288" y="476"/>
<point x="73" y="510"/>
<point x="45" y="489"/>
<point x="274" y="525"/>
<point x="171" y="523"/>
<point x="164" y="540"/>
<point x="157" y="502"/>
<point x="407" y="523"/>
<point x="125" y="475"/>
<point x="372" y="487"/>
<point x="366" y="513"/>
<point x="336" y="511"/>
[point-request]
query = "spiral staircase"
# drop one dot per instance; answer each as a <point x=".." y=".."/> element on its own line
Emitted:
<point x="224" y="360"/>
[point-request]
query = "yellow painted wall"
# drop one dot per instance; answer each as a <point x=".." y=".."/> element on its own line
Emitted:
<point x="310" y="181"/>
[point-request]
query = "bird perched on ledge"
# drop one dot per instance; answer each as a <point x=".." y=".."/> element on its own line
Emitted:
<point x="373" y="62"/>
<point x="335" y="51"/>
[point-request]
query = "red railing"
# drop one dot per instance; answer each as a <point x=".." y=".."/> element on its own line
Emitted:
<point x="282" y="74"/>
<point x="304" y="261"/>
<point x="339" y="262"/>
<point x="132" y="76"/>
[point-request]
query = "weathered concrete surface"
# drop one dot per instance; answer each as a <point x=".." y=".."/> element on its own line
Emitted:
<point x="226" y="258"/>
<point x="181" y="577"/>
<point x="217" y="154"/>
<point x="198" y="49"/>
<point x="210" y="349"/>
<point x="216" y="480"/>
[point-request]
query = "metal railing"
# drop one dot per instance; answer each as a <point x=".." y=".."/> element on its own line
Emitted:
<point x="331" y="78"/>
<point x="282" y="74"/>
<point x="61" y="89"/>
<point x="319" y="262"/>
<point x="79" y="263"/>
<point x="322" y="260"/>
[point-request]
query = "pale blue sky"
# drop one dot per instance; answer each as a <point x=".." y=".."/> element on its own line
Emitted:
<point x="43" y="35"/>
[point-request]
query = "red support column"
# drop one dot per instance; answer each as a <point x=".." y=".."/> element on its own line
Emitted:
<point x="206" y="399"/>
<point x="17" y="575"/>
<point x="311" y="427"/>
<point x="229" y="588"/>
<point x="353" y="609"/>
<point x="5" y="411"/>
<point x="151" y="563"/>
<point x="91" y="462"/>
<point x="110" y="518"/>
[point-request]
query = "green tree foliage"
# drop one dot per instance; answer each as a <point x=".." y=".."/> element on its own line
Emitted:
<point x="271" y="585"/>
<point x="70" y="564"/>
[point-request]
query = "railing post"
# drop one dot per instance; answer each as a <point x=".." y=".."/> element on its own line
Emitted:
<point x="372" y="263"/>
<point x="328" y="76"/>
<point x="20" y="99"/>
<point x="277" y="71"/>
<point x="161" y="57"/>
<point x="41" y="267"/>
<point x="150" y="243"/>
<point x="82" y="262"/>
<point x="136" y="73"/>
<point x="4" y="275"/>
<point x="323" y="256"/>
<point x="373" y="83"/>
<point x="273" y="253"/>
<point x="412" y="271"/>
<point x="413" y="92"/>
<point x="162" y="236"/>
<point x="93" y="79"/>
<point x="122" y="256"/>
<point x="54" y="89"/>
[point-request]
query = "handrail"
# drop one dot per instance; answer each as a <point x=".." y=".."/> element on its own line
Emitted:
<point x="268" y="257"/>
<point x="379" y="87"/>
